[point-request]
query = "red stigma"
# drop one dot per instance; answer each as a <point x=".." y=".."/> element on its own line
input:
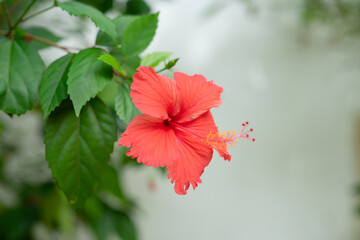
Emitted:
<point x="245" y="134"/>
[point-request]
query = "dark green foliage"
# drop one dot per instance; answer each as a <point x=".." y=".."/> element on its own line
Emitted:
<point x="79" y="130"/>
<point x="78" y="148"/>
<point x="102" y="5"/>
<point x="121" y="23"/>
<point x="137" y="7"/>
<point x="16" y="222"/>
<point x="20" y="73"/>
<point x="53" y="88"/>
<point x="15" y="8"/>
<point x="88" y="75"/>
<point x="139" y="34"/>
<point x="110" y="60"/>
<point x="111" y="183"/>
<point x="129" y="64"/>
<point x="105" y="220"/>
<point x="100" y="20"/>
<point x="124" y="107"/>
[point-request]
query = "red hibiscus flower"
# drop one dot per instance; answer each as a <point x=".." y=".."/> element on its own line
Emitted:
<point x="176" y="128"/>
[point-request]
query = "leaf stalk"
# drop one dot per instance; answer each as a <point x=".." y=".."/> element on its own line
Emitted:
<point x="7" y="15"/>
<point x="22" y="15"/>
<point x="37" y="13"/>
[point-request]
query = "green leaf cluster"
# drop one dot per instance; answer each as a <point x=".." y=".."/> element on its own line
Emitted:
<point x="80" y="129"/>
<point x="84" y="99"/>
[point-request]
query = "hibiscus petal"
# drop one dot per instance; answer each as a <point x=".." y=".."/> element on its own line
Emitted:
<point x="194" y="153"/>
<point x="151" y="141"/>
<point x="196" y="95"/>
<point x="154" y="94"/>
<point x="203" y="125"/>
<point x="193" y="157"/>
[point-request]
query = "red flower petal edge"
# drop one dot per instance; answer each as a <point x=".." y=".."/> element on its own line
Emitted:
<point x="177" y="129"/>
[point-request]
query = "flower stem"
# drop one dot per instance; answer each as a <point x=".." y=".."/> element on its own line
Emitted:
<point x="161" y="70"/>
<point x="22" y="15"/>
<point x="37" y="13"/>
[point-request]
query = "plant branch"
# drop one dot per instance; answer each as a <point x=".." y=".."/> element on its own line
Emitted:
<point x="23" y="14"/>
<point x="47" y="42"/>
<point x="7" y="15"/>
<point x="122" y="76"/>
<point x="3" y="32"/>
<point x="14" y="6"/>
<point x="11" y="10"/>
<point x="30" y="37"/>
<point x="118" y="81"/>
<point x="37" y="13"/>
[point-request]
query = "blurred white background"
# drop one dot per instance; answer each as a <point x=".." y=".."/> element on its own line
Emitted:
<point x="300" y="91"/>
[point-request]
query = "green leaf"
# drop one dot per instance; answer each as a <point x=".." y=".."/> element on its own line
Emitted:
<point x="100" y="20"/>
<point x="139" y="34"/>
<point x="124" y="106"/>
<point x="93" y="210"/>
<point x="17" y="222"/>
<point x="43" y="33"/>
<point x="56" y="210"/>
<point x="123" y="225"/>
<point x="129" y="64"/>
<point x="20" y="74"/>
<point x="78" y="148"/>
<point x="125" y="159"/>
<point x="104" y="220"/>
<point x="121" y="23"/>
<point x="108" y="94"/>
<point x="110" y="60"/>
<point x="102" y="5"/>
<point x="53" y="88"/>
<point x="87" y="76"/>
<point x="110" y="182"/>
<point x="137" y="7"/>
<point x="153" y="59"/>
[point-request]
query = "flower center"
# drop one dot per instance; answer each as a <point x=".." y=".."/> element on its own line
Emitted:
<point x="167" y="121"/>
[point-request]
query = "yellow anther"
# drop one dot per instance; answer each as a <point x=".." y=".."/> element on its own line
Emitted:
<point x="221" y="140"/>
